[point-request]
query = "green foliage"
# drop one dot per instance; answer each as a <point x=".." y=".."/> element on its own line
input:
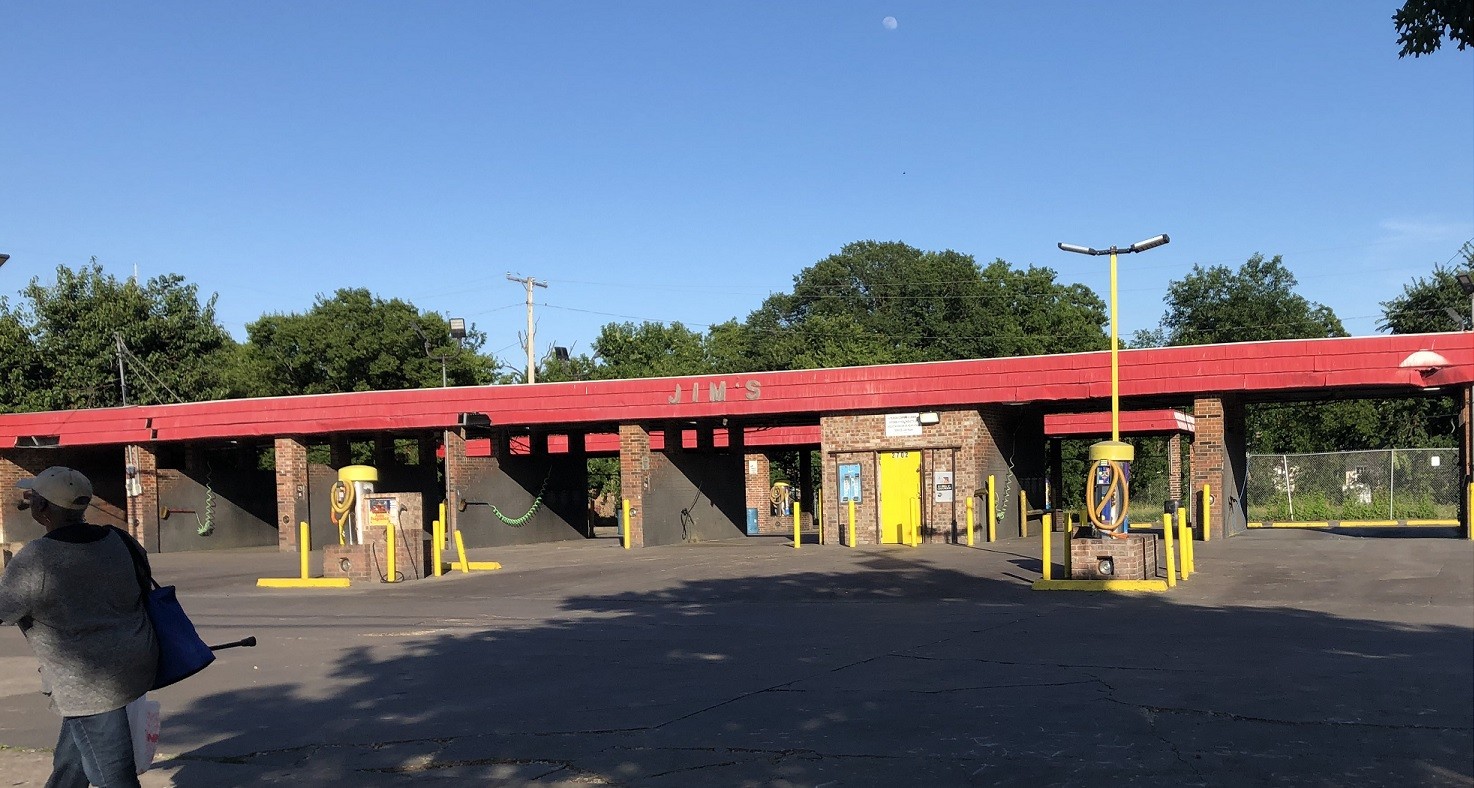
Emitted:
<point x="1425" y="304"/>
<point x="355" y="341"/>
<point x="1376" y="509"/>
<point x="1422" y="25"/>
<point x="1253" y="304"/>
<point x="60" y="343"/>
<point x="1315" y="506"/>
<point x="648" y="350"/>
<point x="882" y="303"/>
<point x="1419" y="507"/>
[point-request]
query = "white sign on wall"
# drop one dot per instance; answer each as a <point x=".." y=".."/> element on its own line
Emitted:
<point x="942" y="486"/>
<point x="902" y="425"/>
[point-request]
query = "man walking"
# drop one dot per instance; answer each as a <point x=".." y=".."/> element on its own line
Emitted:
<point x="75" y="595"/>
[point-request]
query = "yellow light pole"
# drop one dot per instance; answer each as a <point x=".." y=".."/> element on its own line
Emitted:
<point x="1111" y="460"/>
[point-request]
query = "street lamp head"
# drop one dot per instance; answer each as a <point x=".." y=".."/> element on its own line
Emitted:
<point x="1150" y="243"/>
<point x="1466" y="283"/>
<point x="1078" y="249"/>
<point x="457" y="328"/>
<point x="4" y="258"/>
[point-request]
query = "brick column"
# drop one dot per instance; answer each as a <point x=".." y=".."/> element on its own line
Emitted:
<point x="291" y="491"/>
<point x="456" y="478"/>
<point x="634" y="475"/>
<point x="755" y="470"/>
<point x="143" y="509"/>
<point x="1206" y="465"/>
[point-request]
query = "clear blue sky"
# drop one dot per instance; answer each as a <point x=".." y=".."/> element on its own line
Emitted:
<point x="681" y="160"/>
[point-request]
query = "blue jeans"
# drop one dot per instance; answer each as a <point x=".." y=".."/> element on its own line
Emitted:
<point x="96" y="750"/>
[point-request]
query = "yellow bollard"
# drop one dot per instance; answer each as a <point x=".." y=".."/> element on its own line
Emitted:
<point x="852" y="522"/>
<point x="1185" y="543"/>
<point x="798" y="539"/>
<point x="1023" y="514"/>
<point x="992" y="512"/>
<point x="304" y="545"/>
<point x="1048" y="560"/>
<point x="1167" y="526"/>
<point x="969" y="520"/>
<point x="624" y="526"/>
<point x="437" y="536"/>
<point x="1469" y="513"/>
<point x="444" y="524"/>
<point x="389" y="547"/>
<point x="461" y="553"/>
<point x="1207" y="513"/>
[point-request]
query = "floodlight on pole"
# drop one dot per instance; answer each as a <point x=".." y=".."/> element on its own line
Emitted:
<point x="4" y="258"/>
<point x="1140" y="246"/>
<point x="1108" y="483"/>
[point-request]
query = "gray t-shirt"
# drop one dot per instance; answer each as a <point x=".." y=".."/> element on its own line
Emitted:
<point x="74" y="593"/>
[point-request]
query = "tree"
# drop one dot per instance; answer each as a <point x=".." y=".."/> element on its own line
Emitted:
<point x="1253" y="304"/>
<point x="881" y="303"/>
<point x="61" y="345"/>
<point x="1258" y="303"/>
<point x="1425" y="304"/>
<point x="1422" y="24"/>
<point x="648" y="350"/>
<point x="356" y="341"/>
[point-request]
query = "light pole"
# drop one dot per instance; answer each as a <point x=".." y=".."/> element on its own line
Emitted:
<point x="1107" y="492"/>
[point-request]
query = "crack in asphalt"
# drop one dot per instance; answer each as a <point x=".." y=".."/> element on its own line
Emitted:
<point x="1228" y="715"/>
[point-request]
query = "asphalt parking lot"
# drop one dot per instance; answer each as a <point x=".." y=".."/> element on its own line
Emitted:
<point x="1291" y="658"/>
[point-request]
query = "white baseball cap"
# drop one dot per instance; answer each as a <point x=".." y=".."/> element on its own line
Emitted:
<point x="60" y="486"/>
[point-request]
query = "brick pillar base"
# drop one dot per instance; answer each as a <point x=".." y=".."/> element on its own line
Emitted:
<point x="634" y="477"/>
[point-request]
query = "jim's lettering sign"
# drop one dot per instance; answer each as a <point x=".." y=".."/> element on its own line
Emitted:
<point x="707" y="391"/>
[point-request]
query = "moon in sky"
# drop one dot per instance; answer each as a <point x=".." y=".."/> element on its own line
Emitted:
<point x="889" y="23"/>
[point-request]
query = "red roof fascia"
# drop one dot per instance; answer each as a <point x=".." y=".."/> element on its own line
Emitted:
<point x="1292" y="366"/>
<point x="1133" y="422"/>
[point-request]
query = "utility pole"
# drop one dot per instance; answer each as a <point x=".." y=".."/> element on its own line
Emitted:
<point x="529" y="283"/>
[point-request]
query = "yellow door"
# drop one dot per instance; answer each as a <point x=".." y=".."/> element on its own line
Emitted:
<point x="900" y="493"/>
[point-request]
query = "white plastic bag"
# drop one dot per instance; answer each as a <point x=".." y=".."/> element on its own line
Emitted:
<point x="143" y="723"/>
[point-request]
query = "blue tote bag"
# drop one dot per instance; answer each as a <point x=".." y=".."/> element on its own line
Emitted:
<point x="182" y="653"/>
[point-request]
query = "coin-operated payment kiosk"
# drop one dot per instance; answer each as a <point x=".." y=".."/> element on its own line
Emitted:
<point x="1108" y="491"/>
<point x="381" y="534"/>
<point x="348" y="497"/>
<point x="1103" y="548"/>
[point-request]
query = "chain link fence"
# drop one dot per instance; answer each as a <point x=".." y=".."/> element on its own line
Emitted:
<point x="1349" y="486"/>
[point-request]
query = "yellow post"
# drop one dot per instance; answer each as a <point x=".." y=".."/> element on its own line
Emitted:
<point x="1048" y="525"/>
<point x="852" y="522"/>
<point x="444" y="524"/>
<point x="1023" y="514"/>
<point x="1207" y="513"/>
<point x="798" y="539"/>
<point x="624" y="526"/>
<point x="304" y="545"/>
<point x="969" y="520"/>
<point x="389" y="548"/>
<point x="1167" y="526"/>
<point x="437" y="538"/>
<point x="1469" y="514"/>
<point x="461" y="553"/>
<point x="992" y="511"/>
<point x="916" y="522"/>
<point x="1185" y="543"/>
